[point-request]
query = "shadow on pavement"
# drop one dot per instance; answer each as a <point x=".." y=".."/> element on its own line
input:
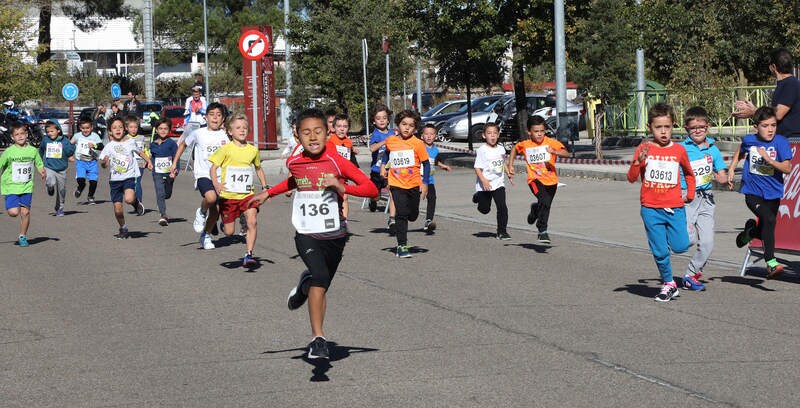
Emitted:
<point x="174" y="220"/>
<point x="411" y="250"/>
<point x="322" y="366"/>
<point x="542" y="249"/>
<point x="741" y="280"/>
<point x="33" y="241"/>
<point x="642" y="288"/>
<point x="140" y="234"/>
<point x="74" y="212"/>
<point x="484" y="234"/>
<point x="237" y="264"/>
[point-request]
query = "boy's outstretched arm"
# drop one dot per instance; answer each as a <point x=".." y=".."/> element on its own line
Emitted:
<point x="734" y="162"/>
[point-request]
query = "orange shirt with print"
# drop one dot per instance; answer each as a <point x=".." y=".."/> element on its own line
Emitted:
<point x="540" y="164"/>
<point x="405" y="157"/>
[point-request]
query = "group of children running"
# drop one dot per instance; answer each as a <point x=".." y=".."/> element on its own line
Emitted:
<point x="677" y="204"/>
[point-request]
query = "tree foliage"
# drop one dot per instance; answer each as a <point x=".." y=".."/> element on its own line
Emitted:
<point x="18" y="78"/>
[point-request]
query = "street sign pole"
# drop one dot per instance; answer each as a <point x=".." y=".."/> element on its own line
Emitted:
<point x="254" y="84"/>
<point x="71" y="120"/>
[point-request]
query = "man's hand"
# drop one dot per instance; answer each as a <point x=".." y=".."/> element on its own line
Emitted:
<point x="744" y="109"/>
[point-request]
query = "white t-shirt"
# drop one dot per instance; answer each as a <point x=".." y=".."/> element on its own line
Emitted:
<point x="82" y="149"/>
<point x="491" y="160"/>
<point x="122" y="159"/>
<point x="205" y="142"/>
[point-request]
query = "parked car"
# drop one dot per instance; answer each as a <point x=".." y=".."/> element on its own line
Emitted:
<point x="550" y="112"/>
<point x="60" y="116"/>
<point x="143" y="111"/>
<point x="456" y="127"/>
<point x="175" y="114"/>
<point x="427" y="99"/>
<point x="444" y="107"/>
<point x="507" y="114"/>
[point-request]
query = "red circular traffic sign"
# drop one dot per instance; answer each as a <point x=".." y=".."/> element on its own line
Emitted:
<point x="253" y="45"/>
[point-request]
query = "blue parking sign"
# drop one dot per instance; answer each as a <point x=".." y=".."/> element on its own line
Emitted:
<point x="69" y="91"/>
<point x="116" y="91"/>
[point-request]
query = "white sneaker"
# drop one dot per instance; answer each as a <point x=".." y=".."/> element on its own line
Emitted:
<point x="199" y="221"/>
<point x="205" y="239"/>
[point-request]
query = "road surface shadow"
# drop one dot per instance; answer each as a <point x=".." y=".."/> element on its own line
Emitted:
<point x="322" y="366"/>
<point x="70" y="212"/>
<point x="95" y="201"/>
<point x="643" y="288"/>
<point x="237" y="264"/>
<point x="485" y="234"/>
<point x="33" y="241"/>
<point x="412" y="250"/>
<point x="140" y="234"/>
<point x="174" y="220"/>
<point x="540" y="248"/>
<point x="741" y="280"/>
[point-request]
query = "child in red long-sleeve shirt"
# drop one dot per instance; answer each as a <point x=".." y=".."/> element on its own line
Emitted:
<point x="657" y="163"/>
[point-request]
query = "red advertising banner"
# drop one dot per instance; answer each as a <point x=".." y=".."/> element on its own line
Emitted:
<point x="261" y="114"/>
<point x="787" y="228"/>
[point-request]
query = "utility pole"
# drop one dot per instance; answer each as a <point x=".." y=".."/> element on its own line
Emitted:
<point x="207" y="85"/>
<point x="641" y="86"/>
<point x="149" y="63"/>
<point x="385" y="46"/>
<point x="561" y="61"/>
<point x="288" y="53"/>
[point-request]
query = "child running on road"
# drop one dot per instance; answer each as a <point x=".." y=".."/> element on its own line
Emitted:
<point x="163" y="150"/>
<point x="403" y="156"/>
<point x="762" y="185"/>
<point x="120" y="155"/>
<point x="540" y="153"/>
<point x="206" y="141"/>
<point x="429" y="136"/>
<point x="377" y="145"/>
<point x="87" y="145"/>
<point x="235" y="188"/>
<point x="56" y="151"/>
<point x="707" y="164"/>
<point x="320" y="176"/>
<point x="490" y="183"/>
<point x="132" y="127"/>
<point x="344" y="146"/>
<point x="658" y="164"/>
<point x="17" y="163"/>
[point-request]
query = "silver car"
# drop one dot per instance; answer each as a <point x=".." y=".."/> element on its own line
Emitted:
<point x="456" y="128"/>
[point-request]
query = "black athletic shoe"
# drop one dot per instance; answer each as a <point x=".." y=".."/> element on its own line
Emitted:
<point x="392" y="226"/>
<point x="373" y="206"/>
<point x="51" y="190"/>
<point x="503" y="236"/>
<point x="123" y="234"/>
<point x="318" y="348"/>
<point x="296" y="295"/>
<point x="544" y="238"/>
<point x="78" y="193"/>
<point x="534" y="214"/>
<point x="746" y="235"/>
<point x="139" y="209"/>
<point x="475" y="198"/>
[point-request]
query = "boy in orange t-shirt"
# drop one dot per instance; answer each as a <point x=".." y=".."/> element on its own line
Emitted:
<point x="344" y="146"/>
<point x="540" y="154"/>
<point x="403" y="156"/>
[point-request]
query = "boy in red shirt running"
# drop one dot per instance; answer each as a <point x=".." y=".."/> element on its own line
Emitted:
<point x="658" y="164"/>
<point x="319" y="175"/>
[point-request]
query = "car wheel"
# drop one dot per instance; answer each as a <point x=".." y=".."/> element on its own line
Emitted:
<point x="476" y="133"/>
<point x="443" y="137"/>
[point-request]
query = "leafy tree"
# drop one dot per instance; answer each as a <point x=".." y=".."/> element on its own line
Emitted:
<point x="23" y="80"/>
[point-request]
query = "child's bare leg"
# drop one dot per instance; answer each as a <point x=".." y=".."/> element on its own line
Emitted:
<point x="316" y="309"/>
<point x="209" y="206"/>
<point x="24" y="220"/>
<point x="252" y="228"/>
<point x="345" y="207"/>
<point x="120" y="216"/>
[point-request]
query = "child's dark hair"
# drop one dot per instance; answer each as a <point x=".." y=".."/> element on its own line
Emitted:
<point x="329" y="113"/>
<point x="695" y="113"/>
<point x="341" y="116"/>
<point x="782" y="59"/>
<point x="535" y="120"/>
<point x="380" y="108"/>
<point x="312" y="113"/>
<point x="163" y="121"/>
<point x="763" y="113"/>
<point x="84" y="119"/>
<point x="407" y="113"/>
<point x="491" y="124"/>
<point x="50" y="123"/>
<point x="430" y="126"/>
<point x="220" y="107"/>
<point x="659" y="110"/>
<point x="131" y="119"/>
<point x="116" y="119"/>
<point x="16" y="126"/>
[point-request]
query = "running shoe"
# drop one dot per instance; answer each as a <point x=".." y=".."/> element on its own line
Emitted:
<point x="668" y="291"/>
<point x="503" y="236"/>
<point x="22" y="241"/>
<point x="534" y="214"/>
<point x="139" y="208"/>
<point x="163" y="221"/>
<point x="430" y="226"/>
<point x="318" y="348"/>
<point x="205" y="241"/>
<point x="402" y="251"/>
<point x="248" y="260"/>
<point x="475" y="198"/>
<point x="60" y="212"/>
<point x="373" y="206"/>
<point x="774" y="271"/>
<point x="746" y="235"/>
<point x="78" y="193"/>
<point x="296" y="295"/>
<point x="691" y="282"/>
<point x="90" y="201"/>
<point x="199" y="221"/>
<point x="392" y="226"/>
<point x="544" y="238"/>
<point x="51" y="190"/>
<point x="123" y="234"/>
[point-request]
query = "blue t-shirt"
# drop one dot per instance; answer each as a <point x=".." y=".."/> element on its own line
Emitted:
<point x="705" y="161"/>
<point x="167" y="148"/>
<point x="758" y="177"/>
<point x="377" y="137"/>
<point x="787" y="92"/>
<point x="433" y="152"/>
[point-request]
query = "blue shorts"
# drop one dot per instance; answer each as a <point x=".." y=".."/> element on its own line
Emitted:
<point x="86" y="169"/>
<point x="18" y="200"/>
<point x="205" y="185"/>
<point x="118" y="188"/>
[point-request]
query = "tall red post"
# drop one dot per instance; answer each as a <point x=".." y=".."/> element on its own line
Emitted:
<point x="264" y="94"/>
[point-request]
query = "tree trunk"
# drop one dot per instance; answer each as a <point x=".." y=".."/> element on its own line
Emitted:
<point x="45" y="14"/>
<point x="518" y="76"/>
<point x="598" y="134"/>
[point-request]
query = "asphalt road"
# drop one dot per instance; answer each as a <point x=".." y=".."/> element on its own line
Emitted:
<point x="469" y="321"/>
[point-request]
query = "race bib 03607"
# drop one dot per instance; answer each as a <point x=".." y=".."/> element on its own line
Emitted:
<point x="537" y="154"/>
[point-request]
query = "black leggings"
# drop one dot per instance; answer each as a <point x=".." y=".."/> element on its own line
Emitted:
<point x="321" y="256"/>
<point x="485" y="205"/>
<point x="430" y="210"/>
<point x="767" y="213"/>
<point x="92" y="185"/>
<point x="544" y="194"/>
<point x="406" y="204"/>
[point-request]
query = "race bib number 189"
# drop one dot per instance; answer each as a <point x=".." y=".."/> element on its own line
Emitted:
<point x="21" y="172"/>
<point x="315" y="212"/>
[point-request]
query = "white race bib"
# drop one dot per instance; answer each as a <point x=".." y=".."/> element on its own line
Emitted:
<point x="21" y="172"/>
<point x="162" y="164"/>
<point x="239" y="179"/>
<point x="343" y="151"/>
<point x="703" y="172"/>
<point x="537" y="154"/>
<point x="120" y="163"/>
<point x="315" y="212"/>
<point x="82" y="148"/>
<point x="496" y="166"/>
<point x="54" y="151"/>
<point x="660" y="171"/>
<point x="758" y="165"/>
<point x="402" y="158"/>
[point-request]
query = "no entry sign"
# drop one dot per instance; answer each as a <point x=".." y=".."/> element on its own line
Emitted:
<point x="253" y="45"/>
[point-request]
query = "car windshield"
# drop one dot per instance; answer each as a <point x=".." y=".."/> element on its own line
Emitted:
<point x="53" y="115"/>
<point x="174" y="113"/>
<point x="480" y="105"/>
<point x="432" y="111"/>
